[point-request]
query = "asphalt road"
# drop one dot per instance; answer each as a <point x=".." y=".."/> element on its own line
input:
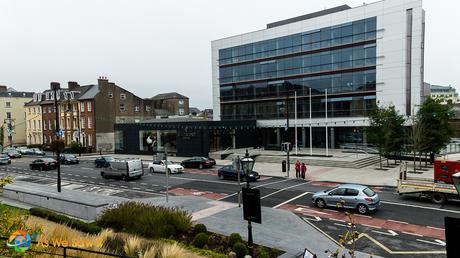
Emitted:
<point x="383" y="232"/>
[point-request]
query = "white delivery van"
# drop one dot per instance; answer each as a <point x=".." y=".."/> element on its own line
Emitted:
<point x="124" y="169"/>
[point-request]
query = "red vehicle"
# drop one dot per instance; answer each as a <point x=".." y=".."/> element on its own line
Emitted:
<point x="444" y="169"/>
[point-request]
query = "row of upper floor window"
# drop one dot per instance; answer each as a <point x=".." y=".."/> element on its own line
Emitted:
<point x="310" y="63"/>
<point x="86" y="140"/>
<point x="84" y="123"/>
<point x="335" y="83"/>
<point x="322" y="38"/>
<point x="354" y="106"/>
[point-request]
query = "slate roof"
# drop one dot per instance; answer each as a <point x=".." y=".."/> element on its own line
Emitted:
<point x="170" y="95"/>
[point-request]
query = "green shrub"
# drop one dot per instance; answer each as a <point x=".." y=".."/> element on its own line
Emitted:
<point x="200" y="240"/>
<point x="262" y="252"/>
<point x="146" y="220"/>
<point x="233" y="239"/>
<point x="199" y="228"/>
<point x="240" y="249"/>
<point x="90" y="228"/>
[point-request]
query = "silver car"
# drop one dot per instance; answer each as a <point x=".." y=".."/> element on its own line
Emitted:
<point x="351" y="196"/>
<point x="4" y="159"/>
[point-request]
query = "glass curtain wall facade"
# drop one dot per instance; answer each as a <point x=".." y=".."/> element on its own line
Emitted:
<point x="256" y="78"/>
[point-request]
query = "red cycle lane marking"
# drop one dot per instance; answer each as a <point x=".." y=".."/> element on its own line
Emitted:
<point x="370" y="221"/>
<point x="194" y="192"/>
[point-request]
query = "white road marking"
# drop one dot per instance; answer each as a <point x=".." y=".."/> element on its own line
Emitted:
<point x="283" y="189"/>
<point x="315" y="218"/>
<point x="290" y="200"/>
<point x="371" y="226"/>
<point x="341" y="225"/>
<point x="87" y="168"/>
<point x="204" y="180"/>
<point x="420" y="207"/>
<point x="136" y="188"/>
<point x="389" y="233"/>
<point x="414" y="234"/>
<point x="435" y="228"/>
<point x="364" y="216"/>
<point x="271" y="183"/>
<point x="436" y="242"/>
<point x="397" y="221"/>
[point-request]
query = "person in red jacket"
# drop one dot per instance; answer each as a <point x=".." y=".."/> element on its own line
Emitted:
<point x="297" y="169"/>
<point x="303" y="170"/>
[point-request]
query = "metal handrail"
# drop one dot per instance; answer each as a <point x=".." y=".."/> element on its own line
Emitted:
<point x="64" y="249"/>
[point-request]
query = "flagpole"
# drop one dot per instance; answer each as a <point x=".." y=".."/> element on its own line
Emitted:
<point x="295" y="121"/>
<point x="327" y="135"/>
<point x="311" y="140"/>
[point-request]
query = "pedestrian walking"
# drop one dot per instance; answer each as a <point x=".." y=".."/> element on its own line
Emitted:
<point x="303" y="170"/>
<point x="297" y="169"/>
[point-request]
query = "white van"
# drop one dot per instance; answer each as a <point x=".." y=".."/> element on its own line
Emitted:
<point x="124" y="169"/>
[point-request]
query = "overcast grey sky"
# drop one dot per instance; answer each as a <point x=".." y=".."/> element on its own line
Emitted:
<point x="154" y="46"/>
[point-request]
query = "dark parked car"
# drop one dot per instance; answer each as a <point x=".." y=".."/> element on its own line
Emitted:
<point x="69" y="159"/>
<point x="228" y="172"/>
<point x="198" y="162"/>
<point x="103" y="161"/>
<point x="13" y="154"/>
<point x="43" y="164"/>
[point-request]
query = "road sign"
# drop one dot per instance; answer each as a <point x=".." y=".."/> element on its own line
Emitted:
<point x="251" y="205"/>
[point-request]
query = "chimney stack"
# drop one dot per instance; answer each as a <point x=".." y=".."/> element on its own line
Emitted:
<point x="73" y="85"/>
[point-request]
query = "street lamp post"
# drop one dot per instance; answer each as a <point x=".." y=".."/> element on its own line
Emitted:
<point x="247" y="164"/>
<point x="55" y="86"/>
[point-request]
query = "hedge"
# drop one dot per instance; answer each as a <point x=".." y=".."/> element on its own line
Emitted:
<point x="90" y="228"/>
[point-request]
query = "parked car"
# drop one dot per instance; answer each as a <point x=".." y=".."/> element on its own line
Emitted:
<point x="13" y="154"/>
<point x="4" y="159"/>
<point x="198" y="162"/>
<point x="103" y="161"/>
<point x="43" y="164"/>
<point x="69" y="159"/>
<point x="124" y="169"/>
<point x="23" y="150"/>
<point x="38" y="152"/>
<point x="228" y="172"/>
<point x="160" y="166"/>
<point x="351" y="196"/>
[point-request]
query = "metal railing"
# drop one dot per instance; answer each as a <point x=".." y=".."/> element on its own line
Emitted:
<point x="64" y="250"/>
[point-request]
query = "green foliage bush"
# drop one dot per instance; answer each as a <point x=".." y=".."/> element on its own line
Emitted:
<point x="199" y="228"/>
<point x="200" y="240"/>
<point x="234" y="238"/>
<point x="90" y="228"/>
<point x="75" y="147"/>
<point x="262" y="252"/>
<point x="146" y="220"/>
<point x="240" y="249"/>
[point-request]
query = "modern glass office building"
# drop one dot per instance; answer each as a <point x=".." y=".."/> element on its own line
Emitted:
<point x="327" y="69"/>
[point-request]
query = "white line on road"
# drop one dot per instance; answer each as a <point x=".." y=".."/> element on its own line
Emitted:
<point x="341" y="225"/>
<point x="420" y="207"/>
<point x="203" y="180"/>
<point x="271" y="183"/>
<point x="364" y="216"/>
<point x="414" y="234"/>
<point x="435" y="228"/>
<point x="283" y="189"/>
<point x="370" y="226"/>
<point x="389" y="233"/>
<point x="397" y="221"/>
<point x="436" y="242"/>
<point x="290" y="200"/>
<point x="87" y="168"/>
